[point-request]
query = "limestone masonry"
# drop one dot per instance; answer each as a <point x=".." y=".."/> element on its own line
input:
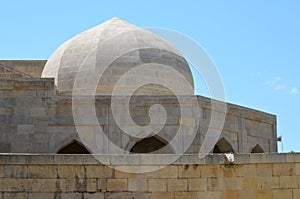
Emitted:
<point x="38" y="132"/>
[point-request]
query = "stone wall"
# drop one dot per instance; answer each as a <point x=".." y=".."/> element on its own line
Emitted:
<point x="21" y="68"/>
<point x="259" y="176"/>
<point x="34" y="119"/>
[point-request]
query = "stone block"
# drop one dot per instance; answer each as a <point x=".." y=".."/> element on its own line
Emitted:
<point x="42" y="171"/>
<point x="71" y="171"/>
<point x="102" y="184"/>
<point x="209" y="194"/>
<point x="9" y="185"/>
<point x="248" y="170"/>
<point x="12" y="159"/>
<point x="119" y="172"/>
<point x="224" y="183"/>
<point x="257" y="194"/>
<point x="297" y="169"/>
<point x="61" y="185"/>
<point x="91" y="185"/>
<point x="242" y="158"/>
<point x="78" y="185"/>
<point x="98" y="171"/>
<point x="197" y="184"/>
<point x="93" y="195"/>
<point x="189" y="171"/>
<point x="166" y="172"/>
<point x="40" y="159"/>
<point x="190" y="159"/>
<point x="270" y="182"/>
<point x="277" y="157"/>
<point x="119" y="195"/>
<point x="11" y="171"/>
<point x="264" y="170"/>
<point x="137" y="184"/>
<point x="1" y="171"/>
<point x="214" y="159"/>
<point x="117" y="185"/>
<point x="96" y="160"/>
<point x="38" y="112"/>
<point x="71" y="195"/>
<point x="288" y="182"/>
<point x="125" y="160"/>
<point x="69" y="159"/>
<point x="296" y="193"/>
<point x="231" y="170"/>
<point x="15" y="195"/>
<point x="186" y="195"/>
<point x="230" y="194"/>
<point x="177" y="185"/>
<point x="211" y="171"/>
<point x="258" y="158"/>
<point x="282" y="193"/>
<point x="36" y="195"/>
<point x="45" y="185"/>
<point x="252" y="183"/>
<point x="164" y="195"/>
<point x="287" y="169"/>
<point x="30" y="185"/>
<point x="25" y="129"/>
<point x="155" y="185"/>
<point x="158" y="159"/>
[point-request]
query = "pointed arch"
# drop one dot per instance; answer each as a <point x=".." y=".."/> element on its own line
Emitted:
<point x="223" y="146"/>
<point x="74" y="147"/>
<point x="152" y="144"/>
<point x="257" y="149"/>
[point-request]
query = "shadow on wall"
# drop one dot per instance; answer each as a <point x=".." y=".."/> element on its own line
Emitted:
<point x="152" y="145"/>
<point x="74" y="147"/>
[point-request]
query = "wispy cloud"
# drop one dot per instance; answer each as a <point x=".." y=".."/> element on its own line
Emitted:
<point x="278" y="84"/>
<point x="275" y="83"/>
<point x="294" y="90"/>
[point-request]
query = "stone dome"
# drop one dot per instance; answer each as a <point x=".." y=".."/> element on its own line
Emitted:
<point x="111" y="49"/>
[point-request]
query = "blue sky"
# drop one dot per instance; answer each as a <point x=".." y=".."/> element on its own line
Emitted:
<point x="255" y="44"/>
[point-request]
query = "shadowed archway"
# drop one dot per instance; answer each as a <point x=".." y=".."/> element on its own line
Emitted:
<point x="223" y="146"/>
<point x="257" y="149"/>
<point x="74" y="147"/>
<point x="151" y="145"/>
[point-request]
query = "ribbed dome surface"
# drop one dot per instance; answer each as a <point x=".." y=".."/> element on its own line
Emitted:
<point x="112" y="49"/>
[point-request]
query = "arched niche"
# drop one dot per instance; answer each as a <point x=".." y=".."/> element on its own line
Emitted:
<point x="152" y="145"/>
<point x="223" y="146"/>
<point x="257" y="149"/>
<point x="74" y="147"/>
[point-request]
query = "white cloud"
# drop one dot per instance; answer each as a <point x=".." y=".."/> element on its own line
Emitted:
<point x="279" y="87"/>
<point x="278" y="84"/>
<point x="275" y="83"/>
<point x="294" y="90"/>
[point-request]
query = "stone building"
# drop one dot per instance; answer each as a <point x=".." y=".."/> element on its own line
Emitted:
<point x="44" y="148"/>
<point x="36" y="98"/>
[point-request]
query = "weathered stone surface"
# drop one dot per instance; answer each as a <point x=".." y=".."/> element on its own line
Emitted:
<point x="156" y="185"/>
<point x="117" y="184"/>
<point x="197" y="184"/>
<point x="13" y="171"/>
<point x="28" y="179"/>
<point x="35" y="120"/>
<point x="138" y="185"/>
<point x="159" y="195"/>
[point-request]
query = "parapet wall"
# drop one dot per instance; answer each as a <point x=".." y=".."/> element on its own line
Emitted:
<point x="259" y="176"/>
<point x="35" y="119"/>
<point x="21" y="68"/>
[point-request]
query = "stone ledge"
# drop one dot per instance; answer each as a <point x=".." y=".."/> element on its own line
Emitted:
<point x="138" y="159"/>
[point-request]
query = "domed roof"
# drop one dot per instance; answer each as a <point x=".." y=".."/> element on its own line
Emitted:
<point x="110" y="50"/>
